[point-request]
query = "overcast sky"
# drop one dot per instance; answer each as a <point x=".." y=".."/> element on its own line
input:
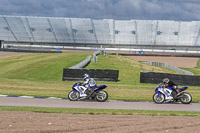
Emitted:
<point x="105" y="9"/>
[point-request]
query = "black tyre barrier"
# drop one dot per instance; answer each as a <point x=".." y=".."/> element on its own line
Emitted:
<point x="156" y="78"/>
<point x="97" y="74"/>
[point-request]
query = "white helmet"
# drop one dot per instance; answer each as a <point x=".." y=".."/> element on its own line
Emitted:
<point x="85" y="76"/>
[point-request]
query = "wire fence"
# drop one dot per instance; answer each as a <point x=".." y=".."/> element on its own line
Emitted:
<point x="180" y="71"/>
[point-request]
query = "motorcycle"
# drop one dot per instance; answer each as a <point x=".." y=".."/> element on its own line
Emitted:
<point x="169" y="94"/>
<point x="80" y="92"/>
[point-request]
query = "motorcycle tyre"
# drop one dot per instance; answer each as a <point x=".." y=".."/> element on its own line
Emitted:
<point x="70" y="98"/>
<point x="101" y="100"/>
<point x="163" y="98"/>
<point x="182" y="101"/>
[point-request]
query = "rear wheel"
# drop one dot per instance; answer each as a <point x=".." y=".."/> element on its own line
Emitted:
<point x="73" y="95"/>
<point x="101" y="96"/>
<point x="186" y="98"/>
<point x="158" y="98"/>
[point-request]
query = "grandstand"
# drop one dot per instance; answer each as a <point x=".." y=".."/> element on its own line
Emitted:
<point x="107" y="32"/>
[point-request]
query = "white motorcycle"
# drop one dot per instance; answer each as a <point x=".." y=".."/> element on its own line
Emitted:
<point x="170" y="94"/>
<point x="81" y="92"/>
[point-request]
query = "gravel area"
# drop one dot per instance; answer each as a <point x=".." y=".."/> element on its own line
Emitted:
<point x="31" y="122"/>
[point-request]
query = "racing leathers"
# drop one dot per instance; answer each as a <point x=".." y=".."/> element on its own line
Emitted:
<point x="171" y="84"/>
<point x="89" y="83"/>
<point x="174" y="86"/>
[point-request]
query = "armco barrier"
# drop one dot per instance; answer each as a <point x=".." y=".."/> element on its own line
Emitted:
<point x="95" y="58"/>
<point x="156" y="78"/>
<point x="83" y="63"/>
<point x="164" y="65"/>
<point x="97" y="74"/>
<point x="28" y="51"/>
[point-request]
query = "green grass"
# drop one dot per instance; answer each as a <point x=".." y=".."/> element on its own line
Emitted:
<point x="38" y="67"/>
<point x="36" y="74"/>
<point x="129" y="70"/>
<point x="129" y="86"/>
<point x="101" y="111"/>
<point x="195" y="70"/>
<point x="41" y="75"/>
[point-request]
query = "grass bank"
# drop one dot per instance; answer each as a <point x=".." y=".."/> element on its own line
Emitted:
<point x="102" y="111"/>
<point x="129" y="86"/>
<point x="36" y="74"/>
<point x="41" y="75"/>
<point x="195" y="70"/>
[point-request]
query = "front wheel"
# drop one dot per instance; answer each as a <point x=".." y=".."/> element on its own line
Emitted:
<point x="158" y="98"/>
<point x="101" y="96"/>
<point x="73" y="95"/>
<point x="186" y="98"/>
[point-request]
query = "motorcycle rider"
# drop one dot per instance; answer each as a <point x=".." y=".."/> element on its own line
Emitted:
<point x="169" y="83"/>
<point x="89" y="83"/>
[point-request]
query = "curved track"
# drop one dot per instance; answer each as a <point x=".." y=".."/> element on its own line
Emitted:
<point x="111" y="104"/>
<point x="63" y="103"/>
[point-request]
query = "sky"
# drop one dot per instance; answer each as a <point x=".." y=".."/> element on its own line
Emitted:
<point x="180" y="10"/>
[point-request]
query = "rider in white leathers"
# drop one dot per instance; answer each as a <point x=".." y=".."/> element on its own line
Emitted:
<point x="89" y="83"/>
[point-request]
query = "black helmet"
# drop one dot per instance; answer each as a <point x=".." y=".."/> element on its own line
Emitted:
<point x="165" y="81"/>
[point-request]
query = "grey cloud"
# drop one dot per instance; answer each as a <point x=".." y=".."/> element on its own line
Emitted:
<point x="105" y="9"/>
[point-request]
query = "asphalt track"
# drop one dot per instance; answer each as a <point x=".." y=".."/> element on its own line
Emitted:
<point x="110" y="104"/>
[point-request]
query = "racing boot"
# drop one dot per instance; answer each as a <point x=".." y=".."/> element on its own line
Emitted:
<point x="83" y="95"/>
<point x="169" y="98"/>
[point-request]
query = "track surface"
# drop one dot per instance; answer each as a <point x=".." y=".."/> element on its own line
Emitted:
<point x="64" y="103"/>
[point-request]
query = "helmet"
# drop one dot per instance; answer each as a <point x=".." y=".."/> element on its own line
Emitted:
<point x="165" y="81"/>
<point x="85" y="76"/>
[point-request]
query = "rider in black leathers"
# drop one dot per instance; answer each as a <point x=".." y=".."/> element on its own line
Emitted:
<point x="169" y="83"/>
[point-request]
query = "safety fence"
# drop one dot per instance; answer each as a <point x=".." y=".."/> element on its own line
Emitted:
<point x="95" y="57"/>
<point x="85" y="62"/>
<point x="156" y="78"/>
<point x="28" y="51"/>
<point x="82" y="64"/>
<point x="192" y="52"/>
<point x="97" y="74"/>
<point x="179" y="70"/>
<point x="76" y="72"/>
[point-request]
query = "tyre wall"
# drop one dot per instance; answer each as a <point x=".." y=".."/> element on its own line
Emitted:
<point x="97" y="74"/>
<point x="156" y="78"/>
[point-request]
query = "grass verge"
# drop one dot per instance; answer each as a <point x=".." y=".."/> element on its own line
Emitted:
<point x="41" y="75"/>
<point x="101" y="111"/>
